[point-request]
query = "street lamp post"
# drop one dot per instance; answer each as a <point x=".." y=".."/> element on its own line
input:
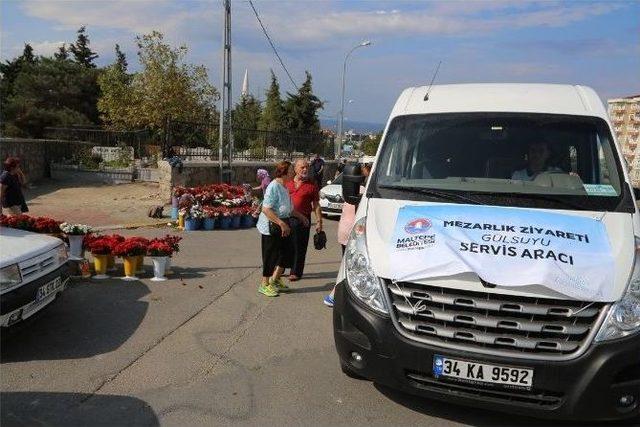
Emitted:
<point x="344" y="71"/>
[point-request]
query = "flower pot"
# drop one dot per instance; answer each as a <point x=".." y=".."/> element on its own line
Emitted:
<point x="191" y="224"/>
<point x="129" y="263"/>
<point x="174" y="213"/>
<point x="181" y="221"/>
<point x="159" y="268"/>
<point x="225" y="223"/>
<point x="246" y="221"/>
<point x="140" y="264"/>
<point x="75" y="246"/>
<point x="167" y="266"/>
<point x="235" y="221"/>
<point x="111" y="263"/>
<point x="209" y="224"/>
<point x="100" y="263"/>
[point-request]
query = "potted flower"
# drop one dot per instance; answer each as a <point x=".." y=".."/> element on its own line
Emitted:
<point x="113" y="240"/>
<point x="210" y="215"/>
<point x="47" y="226"/>
<point x="100" y="247"/>
<point x="129" y="250"/>
<point x="140" y="261"/>
<point x="159" y="251"/>
<point x="174" y="242"/>
<point x="225" y="218"/>
<point x="236" y="217"/>
<point x="184" y="208"/>
<point x="75" y="233"/>
<point x="247" y="219"/>
<point x="194" y="220"/>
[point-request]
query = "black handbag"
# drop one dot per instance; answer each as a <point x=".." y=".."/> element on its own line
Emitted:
<point x="320" y="240"/>
<point x="275" y="229"/>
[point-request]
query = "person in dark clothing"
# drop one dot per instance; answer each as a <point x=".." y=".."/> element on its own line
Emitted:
<point x="11" y="181"/>
<point x="340" y="168"/>
<point x="306" y="199"/>
<point x="317" y="167"/>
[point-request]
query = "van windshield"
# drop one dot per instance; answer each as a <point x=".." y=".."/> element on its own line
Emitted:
<point x="528" y="160"/>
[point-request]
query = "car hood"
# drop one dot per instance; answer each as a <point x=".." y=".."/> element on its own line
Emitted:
<point x="19" y="245"/>
<point x="332" y="189"/>
<point x="381" y="219"/>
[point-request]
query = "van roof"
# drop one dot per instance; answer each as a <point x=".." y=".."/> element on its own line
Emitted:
<point x="501" y="97"/>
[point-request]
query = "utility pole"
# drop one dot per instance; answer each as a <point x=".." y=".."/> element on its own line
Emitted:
<point x="225" y="95"/>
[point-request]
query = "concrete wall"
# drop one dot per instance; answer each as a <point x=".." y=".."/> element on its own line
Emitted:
<point x="91" y="176"/>
<point x="31" y="153"/>
<point x="200" y="173"/>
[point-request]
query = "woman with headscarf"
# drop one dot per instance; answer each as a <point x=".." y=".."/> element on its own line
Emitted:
<point x="263" y="176"/>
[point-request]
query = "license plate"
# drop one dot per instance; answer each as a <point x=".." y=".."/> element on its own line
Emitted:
<point x="335" y="206"/>
<point x="48" y="289"/>
<point x="474" y="372"/>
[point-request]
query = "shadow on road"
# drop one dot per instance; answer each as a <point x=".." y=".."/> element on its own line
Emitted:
<point x="73" y="409"/>
<point x="90" y="318"/>
<point x="322" y="275"/>
<point x="310" y="289"/>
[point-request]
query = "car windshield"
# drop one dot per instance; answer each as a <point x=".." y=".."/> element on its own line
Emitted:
<point x="517" y="159"/>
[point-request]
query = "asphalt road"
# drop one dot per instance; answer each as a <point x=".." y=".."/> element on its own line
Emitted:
<point x="201" y="349"/>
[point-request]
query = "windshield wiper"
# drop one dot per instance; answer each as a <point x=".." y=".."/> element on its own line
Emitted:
<point x="545" y="197"/>
<point x="433" y="193"/>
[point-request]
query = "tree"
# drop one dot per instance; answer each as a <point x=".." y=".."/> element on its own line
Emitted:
<point x="245" y="118"/>
<point x="370" y="146"/>
<point x="166" y="87"/>
<point x="273" y="115"/>
<point x="62" y="54"/>
<point x="27" y="54"/>
<point x="50" y="92"/>
<point x="121" y="59"/>
<point x="81" y="51"/>
<point x="302" y="109"/>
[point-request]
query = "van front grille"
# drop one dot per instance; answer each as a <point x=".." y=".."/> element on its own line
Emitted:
<point x="520" y="326"/>
<point x="533" y="398"/>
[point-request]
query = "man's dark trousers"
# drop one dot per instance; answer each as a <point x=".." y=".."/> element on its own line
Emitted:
<point x="300" y="240"/>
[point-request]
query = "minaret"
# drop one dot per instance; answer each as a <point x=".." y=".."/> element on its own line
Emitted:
<point x="245" y="83"/>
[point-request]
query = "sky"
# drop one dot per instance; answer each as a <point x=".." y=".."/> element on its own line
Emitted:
<point x="577" y="42"/>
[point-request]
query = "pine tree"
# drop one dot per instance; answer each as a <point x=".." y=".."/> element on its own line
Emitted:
<point x="27" y="54"/>
<point x="302" y="109"/>
<point x="272" y="118"/>
<point x="62" y="54"/>
<point x="245" y="117"/>
<point x="81" y="51"/>
<point x="121" y="59"/>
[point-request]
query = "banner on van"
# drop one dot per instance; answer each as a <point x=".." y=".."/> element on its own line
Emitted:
<point x="505" y="246"/>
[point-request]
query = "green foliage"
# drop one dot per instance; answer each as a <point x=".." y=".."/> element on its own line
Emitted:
<point x="273" y="115"/>
<point x="370" y="146"/>
<point x="245" y="118"/>
<point x="302" y="109"/>
<point x="166" y="87"/>
<point x="81" y="51"/>
<point x="49" y="92"/>
<point x="62" y="53"/>
<point x="121" y="59"/>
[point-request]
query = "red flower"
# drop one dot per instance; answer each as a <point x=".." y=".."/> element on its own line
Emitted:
<point x="159" y="248"/>
<point x="130" y="247"/>
<point x="100" y="246"/>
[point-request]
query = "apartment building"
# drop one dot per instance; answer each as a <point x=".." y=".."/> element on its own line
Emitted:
<point x="625" y="116"/>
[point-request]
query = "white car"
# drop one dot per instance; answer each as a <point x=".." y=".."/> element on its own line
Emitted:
<point x="331" y="197"/>
<point x="33" y="272"/>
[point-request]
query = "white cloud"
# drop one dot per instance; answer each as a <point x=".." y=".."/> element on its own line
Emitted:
<point x="45" y="48"/>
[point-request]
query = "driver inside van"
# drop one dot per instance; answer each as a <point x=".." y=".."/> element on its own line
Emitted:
<point x="538" y="156"/>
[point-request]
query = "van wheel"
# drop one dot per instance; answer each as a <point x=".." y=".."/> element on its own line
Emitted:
<point x="348" y="372"/>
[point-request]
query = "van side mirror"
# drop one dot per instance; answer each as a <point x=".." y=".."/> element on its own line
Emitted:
<point x="352" y="179"/>
<point x="636" y="193"/>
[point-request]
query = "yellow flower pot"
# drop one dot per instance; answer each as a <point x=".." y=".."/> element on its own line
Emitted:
<point x="140" y="264"/>
<point x="100" y="263"/>
<point x="130" y="264"/>
<point x="181" y="221"/>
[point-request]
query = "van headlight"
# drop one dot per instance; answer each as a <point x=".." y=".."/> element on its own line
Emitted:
<point x="361" y="279"/>
<point x="10" y="276"/>
<point x="623" y="318"/>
